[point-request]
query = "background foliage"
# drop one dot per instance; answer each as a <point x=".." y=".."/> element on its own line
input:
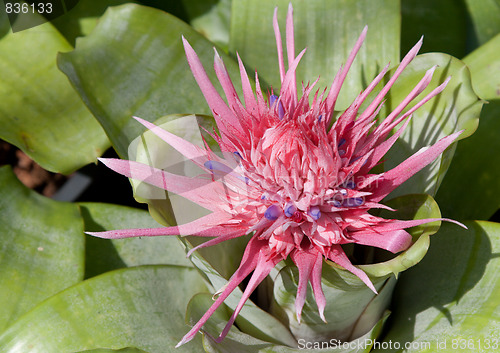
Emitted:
<point x="67" y="92"/>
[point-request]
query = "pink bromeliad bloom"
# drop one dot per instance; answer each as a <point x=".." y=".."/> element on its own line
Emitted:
<point x="301" y="188"/>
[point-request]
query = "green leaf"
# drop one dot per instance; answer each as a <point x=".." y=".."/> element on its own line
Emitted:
<point x="328" y="29"/>
<point x="476" y="159"/>
<point x="39" y="111"/>
<point x="485" y="17"/>
<point x="82" y="18"/>
<point x="42" y="248"/>
<point x="105" y="255"/>
<point x="141" y="307"/>
<point x="124" y="350"/>
<point x="237" y="341"/>
<point x="452" y="296"/>
<point x="484" y="65"/>
<point x="211" y="18"/>
<point x="440" y="22"/>
<point x="157" y="81"/>
<point x="456" y="108"/>
<point x="472" y="184"/>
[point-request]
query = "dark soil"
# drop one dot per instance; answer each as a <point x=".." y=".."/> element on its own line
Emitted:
<point x="28" y="172"/>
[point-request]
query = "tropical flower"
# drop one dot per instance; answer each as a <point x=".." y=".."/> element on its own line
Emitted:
<point x="303" y="189"/>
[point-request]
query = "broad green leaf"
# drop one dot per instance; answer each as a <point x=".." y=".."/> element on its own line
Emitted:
<point x="472" y="185"/>
<point x="485" y="17"/>
<point x="440" y="22"/>
<point x="133" y="63"/>
<point x="124" y="350"/>
<point x="451" y="298"/>
<point x="211" y="18"/>
<point x="39" y="111"/>
<point x="237" y="341"/>
<point x="82" y="18"/>
<point x="104" y="255"/>
<point x="329" y="29"/>
<point x="456" y="108"/>
<point x="352" y="308"/>
<point x="41" y="251"/>
<point x="475" y="165"/>
<point x="142" y="307"/>
<point x="484" y="65"/>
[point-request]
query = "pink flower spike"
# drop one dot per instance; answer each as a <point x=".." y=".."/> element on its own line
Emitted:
<point x="309" y="265"/>
<point x="335" y="90"/>
<point x="223" y="115"/>
<point x="296" y="187"/>
<point x="406" y="60"/>
<point x="279" y="45"/>
<point x="338" y="256"/>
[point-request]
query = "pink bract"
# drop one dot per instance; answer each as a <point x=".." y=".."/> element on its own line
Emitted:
<point x="301" y="188"/>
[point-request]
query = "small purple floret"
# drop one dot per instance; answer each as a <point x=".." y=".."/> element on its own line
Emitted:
<point x="290" y="209"/>
<point x="272" y="101"/>
<point x="350" y="184"/>
<point x="272" y="213"/>
<point x="214" y="165"/>
<point x="314" y="212"/>
<point x="353" y="202"/>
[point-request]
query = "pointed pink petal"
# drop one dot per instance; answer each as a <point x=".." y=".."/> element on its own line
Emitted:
<point x="262" y="269"/>
<point x="230" y="234"/>
<point x="225" y="80"/>
<point x="222" y="114"/>
<point x="279" y="45"/>
<point x="424" y="82"/>
<point x="290" y="41"/>
<point x="250" y="102"/>
<point x="202" y="191"/>
<point x="393" y="241"/>
<point x="309" y="264"/>
<point x="186" y="148"/>
<point x="206" y="226"/>
<point x="380" y="150"/>
<point x="289" y="86"/>
<point x="338" y="256"/>
<point x="369" y="89"/>
<point x="247" y="265"/>
<point x="335" y="89"/>
<point x="304" y="261"/>
<point x="396" y="224"/>
<point x="433" y="93"/>
<point x="315" y="280"/>
<point x="378" y="99"/>
<point x="396" y="176"/>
